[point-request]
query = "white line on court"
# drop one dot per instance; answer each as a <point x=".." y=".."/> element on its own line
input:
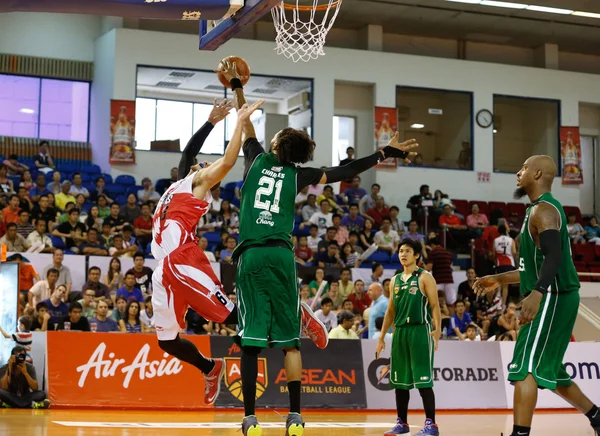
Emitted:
<point x="220" y="425"/>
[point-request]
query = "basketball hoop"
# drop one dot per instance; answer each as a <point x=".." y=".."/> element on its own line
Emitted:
<point x="302" y="36"/>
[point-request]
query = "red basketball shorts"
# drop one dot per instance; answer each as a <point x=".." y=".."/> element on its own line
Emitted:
<point x="185" y="279"/>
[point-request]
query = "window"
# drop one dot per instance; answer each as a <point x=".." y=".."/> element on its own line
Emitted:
<point x="44" y="108"/>
<point x="343" y="137"/>
<point x="524" y="127"/>
<point x="441" y="121"/>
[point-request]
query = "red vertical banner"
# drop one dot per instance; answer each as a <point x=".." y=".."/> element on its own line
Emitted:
<point x="386" y="125"/>
<point x="122" y="132"/>
<point x="570" y="153"/>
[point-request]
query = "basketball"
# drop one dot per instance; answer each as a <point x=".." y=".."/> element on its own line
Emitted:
<point x="242" y="68"/>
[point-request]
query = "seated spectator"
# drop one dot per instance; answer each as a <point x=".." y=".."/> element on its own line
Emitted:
<point x="128" y="238"/>
<point x="334" y="294"/>
<point x="368" y="201"/>
<point x="576" y="231"/>
<point x="19" y="383"/>
<point x="43" y="289"/>
<point x="39" y="189"/>
<point x="101" y="321"/>
<point x="147" y="192"/>
<point x="376" y="274"/>
<point x="93" y="282"/>
<point x="100" y="190"/>
<point x="6" y="185"/>
<point x="366" y="236"/>
<point x="301" y="200"/>
<point x="203" y="243"/>
<point x="132" y="323"/>
<point x="92" y="246"/>
<point x="414" y="202"/>
<point x="329" y="258"/>
<point x="13" y="241"/>
<point x="215" y="205"/>
<point x="115" y="221"/>
<point x="341" y="235"/>
<point x="61" y="199"/>
<point x="11" y="212"/>
<point x="413" y="233"/>
<point x="129" y="290"/>
<point x="459" y="235"/>
<point x="508" y="323"/>
<point x="14" y="167"/>
<point x="26" y="180"/>
<point x="515" y="224"/>
<point x="173" y="178"/>
<point x="349" y="257"/>
<point x="310" y="208"/>
<point x="346" y="287"/>
<point x="379" y="212"/>
<point x="330" y="197"/>
<point x="386" y="238"/>
<point x="477" y="221"/>
<point x="103" y="207"/>
<point x="592" y="231"/>
<point x="355" y="193"/>
<point x="56" y="307"/>
<point x="142" y="226"/>
<point x="378" y="327"/>
<point x="42" y="322"/>
<point x="106" y="237"/>
<point x="227" y="253"/>
<point x="304" y="293"/>
<point x="147" y="315"/>
<point x="488" y="309"/>
<point x="130" y="210"/>
<point x="221" y="245"/>
<point x="360" y="300"/>
<point x="313" y="239"/>
<point x="64" y="276"/>
<point x="93" y="220"/>
<point x="330" y="236"/>
<point x="88" y="306"/>
<point x="322" y="219"/>
<point x="77" y="188"/>
<point x="227" y="218"/>
<point x="315" y="284"/>
<point x="397" y="224"/>
<point x="82" y="206"/>
<point x="302" y="253"/>
<point x="350" y="158"/>
<point x="326" y="315"/>
<point x="120" y="310"/>
<point x="40" y="242"/>
<point x="74" y="321"/>
<point x="471" y="334"/>
<point x="348" y="305"/>
<point x="64" y="217"/>
<point x="353" y="221"/>
<point x="113" y="278"/>
<point x="44" y="161"/>
<point x="344" y="329"/>
<point x="378" y="308"/>
<point x="143" y="274"/>
<point x="24" y="200"/>
<point x="354" y="243"/>
<point x="43" y="211"/>
<point x="24" y="227"/>
<point x="440" y="265"/>
<point x="459" y="322"/>
<point x="54" y="186"/>
<point x="466" y="293"/>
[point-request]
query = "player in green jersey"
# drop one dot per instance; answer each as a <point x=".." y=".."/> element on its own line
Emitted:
<point x="266" y="280"/>
<point x="550" y="286"/>
<point x="412" y="310"/>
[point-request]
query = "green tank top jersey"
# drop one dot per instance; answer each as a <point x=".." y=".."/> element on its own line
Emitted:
<point x="531" y="257"/>
<point x="268" y="203"/>
<point x="410" y="303"/>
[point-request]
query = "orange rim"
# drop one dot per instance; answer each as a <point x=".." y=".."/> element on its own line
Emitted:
<point x="311" y="8"/>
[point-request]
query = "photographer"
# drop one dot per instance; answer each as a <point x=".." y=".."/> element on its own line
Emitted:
<point x="18" y="383"/>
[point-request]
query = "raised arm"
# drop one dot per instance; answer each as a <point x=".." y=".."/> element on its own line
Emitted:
<point x="239" y="99"/>
<point x="191" y="150"/>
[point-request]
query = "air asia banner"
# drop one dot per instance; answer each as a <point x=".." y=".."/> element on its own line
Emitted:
<point x="467" y="375"/>
<point x="122" y="132"/>
<point x="330" y="378"/>
<point x="386" y="125"/>
<point x="570" y="151"/>
<point x="121" y="370"/>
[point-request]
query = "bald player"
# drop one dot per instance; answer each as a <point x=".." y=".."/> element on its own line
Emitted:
<point x="550" y="287"/>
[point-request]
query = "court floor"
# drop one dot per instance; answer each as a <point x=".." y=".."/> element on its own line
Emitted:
<point x="226" y="423"/>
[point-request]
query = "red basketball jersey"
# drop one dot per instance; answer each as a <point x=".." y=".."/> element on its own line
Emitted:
<point x="176" y="217"/>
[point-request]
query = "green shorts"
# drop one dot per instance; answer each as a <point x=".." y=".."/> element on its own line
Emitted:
<point x="268" y="298"/>
<point x="542" y="343"/>
<point x="411" y="357"/>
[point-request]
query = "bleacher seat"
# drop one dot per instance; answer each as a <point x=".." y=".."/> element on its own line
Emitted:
<point x="67" y="168"/>
<point x="304" y="232"/>
<point x="213" y="237"/>
<point x="462" y="207"/>
<point x="584" y="278"/>
<point x="125" y="179"/>
<point x="235" y="201"/>
<point x="597" y="251"/>
<point x="57" y="242"/>
<point x="230" y="186"/>
<point x="227" y="195"/>
<point x="85" y="177"/>
<point x="597" y="271"/>
<point x="518" y="208"/>
<point x="160" y="185"/>
<point x="91" y="169"/>
<point x="595" y="264"/>
<point x="49" y="176"/>
<point x="580" y="265"/>
<point x="483" y="207"/>
<point x="133" y="189"/>
<point x="16" y="180"/>
<point x="574" y="209"/>
<point x="107" y="178"/>
<point x="584" y="252"/>
<point x="379" y="256"/>
<point x="499" y="205"/>
<point x="91" y="187"/>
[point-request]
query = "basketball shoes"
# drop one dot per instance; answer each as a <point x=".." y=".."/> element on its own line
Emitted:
<point x="251" y="427"/>
<point x="430" y="429"/>
<point x="313" y="327"/>
<point x="212" y="382"/>
<point x="294" y="426"/>
<point x="399" y="428"/>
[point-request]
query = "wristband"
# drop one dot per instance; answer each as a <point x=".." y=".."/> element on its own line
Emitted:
<point x="539" y="289"/>
<point x="235" y="84"/>
<point x="394" y="152"/>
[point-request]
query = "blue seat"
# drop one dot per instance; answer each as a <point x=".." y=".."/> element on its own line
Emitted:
<point x="213" y="237"/>
<point x="90" y="169"/>
<point x="133" y="189"/>
<point x="230" y="186"/>
<point x="16" y="180"/>
<point x="226" y="195"/>
<point x="379" y="256"/>
<point x="49" y="176"/>
<point x="85" y="177"/>
<point x="125" y="179"/>
<point x="303" y="232"/>
<point x="57" y="242"/>
<point x="121" y="199"/>
<point x="235" y="201"/>
<point x="393" y="265"/>
<point x="89" y="186"/>
<point x="161" y="185"/>
<point x="68" y="168"/>
<point x="107" y="178"/>
<point x="112" y="188"/>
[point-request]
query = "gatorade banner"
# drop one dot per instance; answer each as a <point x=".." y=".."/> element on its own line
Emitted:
<point x="570" y="150"/>
<point x="330" y="378"/>
<point x="122" y="132"/>
<point x="386" y="125"/>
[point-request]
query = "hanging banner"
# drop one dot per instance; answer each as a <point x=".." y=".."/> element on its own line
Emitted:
<point x="570" y="151"/>
<point x="386" y="125"/>
<point x="122" y="132"/>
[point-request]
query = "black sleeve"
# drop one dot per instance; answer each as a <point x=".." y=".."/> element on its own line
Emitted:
<point x="251" y="150"/>
<point x="551" y="246"/>
<point x="192" y="149"/>
<point x="308" y="176"/>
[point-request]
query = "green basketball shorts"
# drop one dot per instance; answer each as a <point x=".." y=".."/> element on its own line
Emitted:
<point x="542" y="343"/>
<point x="268" y="299"/>
<point x="412" y="357"/>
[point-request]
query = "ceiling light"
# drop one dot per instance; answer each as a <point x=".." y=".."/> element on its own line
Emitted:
<point x="504" y="4"/>
<point x="417" y="126"/>
<point x="495" y="131"/>
<point x="586" y="14"/>
<point x="473" y="2"/>
<point x="549" y="10"/>
<point x="27" y="111"/>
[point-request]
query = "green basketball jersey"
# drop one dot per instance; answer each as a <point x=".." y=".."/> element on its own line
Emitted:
<point x="531" y="257"/>
<point x="410" y="303"/>
<point x="268" y="202"/>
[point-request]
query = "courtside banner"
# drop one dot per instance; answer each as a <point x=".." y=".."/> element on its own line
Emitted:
<point x="582" y="361"/>
<point x="331" y="378"/>
<point x="121" y="370"/>
<point x="467" y="375"/>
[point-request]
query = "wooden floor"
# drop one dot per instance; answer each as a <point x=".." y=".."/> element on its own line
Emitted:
<point x="226" y="423"/>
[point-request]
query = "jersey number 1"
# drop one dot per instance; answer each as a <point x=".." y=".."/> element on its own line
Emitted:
<point x="266" y="188"/>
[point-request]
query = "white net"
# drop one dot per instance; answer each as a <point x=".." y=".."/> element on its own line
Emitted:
<point x="299" y="35"/>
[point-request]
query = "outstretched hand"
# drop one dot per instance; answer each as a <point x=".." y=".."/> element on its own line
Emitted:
<point x="485" y="285"/>
<point x="244" y="112"/>
<point x="229" y="70"/>
<point x="403" y="148"/>
<point x="220" y="111"/>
